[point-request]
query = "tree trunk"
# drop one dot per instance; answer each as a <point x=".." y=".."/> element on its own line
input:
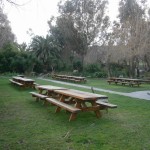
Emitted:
<point x="147" y="60"/>
<point x="82" y="61"/>
<point x="108" y="67"/>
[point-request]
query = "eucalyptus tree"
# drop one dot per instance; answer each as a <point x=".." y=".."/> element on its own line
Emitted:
<point x="130" y="32"/>
<point x="68" y="38"/>
<point x="6" y="34"/>
<point x="83" y="23"/>
<point x="145" y="52"/>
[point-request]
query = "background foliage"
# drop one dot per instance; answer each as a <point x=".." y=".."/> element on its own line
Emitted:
<point x="81" y="36"/>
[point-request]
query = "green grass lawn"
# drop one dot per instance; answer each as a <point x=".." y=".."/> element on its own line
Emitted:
<point x="26" y="124"/>
<point x="102" y="83"/>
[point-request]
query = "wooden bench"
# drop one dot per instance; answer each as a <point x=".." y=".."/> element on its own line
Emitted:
<point x="146" y="81"/>
<point x="77" y="81"/>
<point x="133" y="83"/>
<point x="105" y="105"/>
<point x="16" y="83"/>
<point x="113" y="81"/>
<point x="125" y="83"/>
<point x="65" y="106"/>
<point x="110" y="81"/>
<point x="119" y="82"/>
<point x="38" y="96"/>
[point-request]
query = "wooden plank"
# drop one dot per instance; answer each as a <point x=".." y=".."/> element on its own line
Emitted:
<point x="19" y="84"/>
<point x="109" y="105"/>
<point x="80" y="95"/>
<point x="134" y="83"/>
<point x="63" y="105"/>
<point x="34" y="94"/>
<point x="14" y="82"/>
<point x="110" y="81"/>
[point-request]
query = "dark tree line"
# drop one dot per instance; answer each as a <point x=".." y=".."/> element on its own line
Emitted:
<point x="82" y="25"/>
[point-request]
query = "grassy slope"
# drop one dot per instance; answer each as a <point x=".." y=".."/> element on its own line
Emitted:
<point x="25" y="124"/>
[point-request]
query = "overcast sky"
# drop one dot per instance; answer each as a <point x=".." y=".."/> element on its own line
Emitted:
<point x="34" y="14"/>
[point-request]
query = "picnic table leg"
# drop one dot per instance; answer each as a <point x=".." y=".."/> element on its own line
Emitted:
<point x="62" y="98"/>
<point x="72" y="116"/>
<point x="97" y="112"/>
<point x="40" y="92"/>
<point x="78" y="104"/>
<point x="58" y="109"/>
<point x="37" y="99"/>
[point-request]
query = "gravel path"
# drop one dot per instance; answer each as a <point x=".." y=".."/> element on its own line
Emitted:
<point x="145" y="95"/>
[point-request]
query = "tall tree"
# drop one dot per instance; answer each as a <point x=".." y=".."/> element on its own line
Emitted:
<point x="84" y="24"/>
<point x="6" y="34"/>
<point x="129" y="32"/>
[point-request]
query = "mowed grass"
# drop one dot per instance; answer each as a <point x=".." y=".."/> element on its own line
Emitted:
<point x="26" y="124"/>
<point x="103" y="84"/>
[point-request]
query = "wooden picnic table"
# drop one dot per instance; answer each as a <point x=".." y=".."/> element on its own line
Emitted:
<point x="124" y="81"/>
<point x="80" y="79"/>
<point x="81" y="99"/>
<point x="25" y="81"/>
<point x="72" y="101"/>
<point x="70" y="78"/>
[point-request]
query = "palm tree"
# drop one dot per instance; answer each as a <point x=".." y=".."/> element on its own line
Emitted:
<point x="45" y="49"/>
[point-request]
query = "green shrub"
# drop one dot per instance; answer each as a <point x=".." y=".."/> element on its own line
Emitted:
<point x="92" y="68"/>
<point x="100" y="74"/>
<point x="77" y="65"/>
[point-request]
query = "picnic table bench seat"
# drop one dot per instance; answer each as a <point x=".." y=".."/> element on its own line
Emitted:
<point x="38" y="96"/>
<point x="130" y="83"/>
<point x="65" y="106"/>
<point x="110" y="81"/>
<point x="133" y="83"/>
<point x="113" y="81"/>
<point x="125" y="83"/>
<point x="105" y="105"/>
<point x="146" y="81"/>
<point x="16" y="83"/>
<point x="77" y="81"/>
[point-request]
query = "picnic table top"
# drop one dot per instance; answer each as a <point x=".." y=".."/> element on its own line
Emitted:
<point x="22" y="79"/>
<point x="50" y="87"/>
<point x="80" y="94"/>
<point x="67" y="76"/>
<point x="126" y="79"/>
<point x="76" y="77"/>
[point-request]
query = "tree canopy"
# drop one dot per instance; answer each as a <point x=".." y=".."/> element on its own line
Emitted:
<point x="6" y="34"/>
<point x="82" y="28"/>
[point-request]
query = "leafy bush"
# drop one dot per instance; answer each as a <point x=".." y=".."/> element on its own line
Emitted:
<point x="101" y="74"/>
<point x="77" y="65"/>
<point x="92" y="68"/>
<point x="95" y="71"/>
<point x="12" y="60"/>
